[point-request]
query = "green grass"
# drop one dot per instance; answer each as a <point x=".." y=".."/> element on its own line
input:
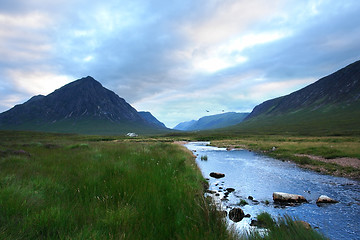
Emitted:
<point x="284" y="228"/>
<point x="88" y="126"/>
<point x="332" y="120"/>
<point x="242" y="202"/>
<point x="64" y="186"/>
<point x="288" y="147"/>
<point x="102" y="190"/>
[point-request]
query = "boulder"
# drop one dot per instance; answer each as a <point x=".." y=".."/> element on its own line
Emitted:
<point x="287" y="197"/>
<point x="230" y="189"/>
<point x="325" y="199"/>
<point x="217" y="175"/>
<point x="236" y="214"/>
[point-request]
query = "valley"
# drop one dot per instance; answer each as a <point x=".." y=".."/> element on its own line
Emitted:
<point x="94" y="187"/>
<point x="82" y="163"/>
<point x="180" y="120"/>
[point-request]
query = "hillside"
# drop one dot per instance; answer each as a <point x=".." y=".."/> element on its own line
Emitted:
<point x="147" y="116"/>
<point x="82" y="106"/>
<point x="212" y="122"/>
<point x="330" y="105"/>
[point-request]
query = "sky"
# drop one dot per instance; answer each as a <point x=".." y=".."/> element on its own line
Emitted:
<point x="179" y="59"/>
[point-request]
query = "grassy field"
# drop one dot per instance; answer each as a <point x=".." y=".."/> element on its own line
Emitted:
<point x="331" y="120"/>
<point x="75" y="187"/>
<point x="58" y="186"/>
<point x="88" y="126"/>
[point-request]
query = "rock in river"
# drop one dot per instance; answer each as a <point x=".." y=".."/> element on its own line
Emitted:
<point x="230" y="189"/>
<point x="287" y="197"/>
<point x="217" y="175"/>
<point x="236" y="214"/>
<point x="325" y="199"/>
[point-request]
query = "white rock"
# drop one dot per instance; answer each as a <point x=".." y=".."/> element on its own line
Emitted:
<point x="287" y="197"/>
<point x="325" y="199"/>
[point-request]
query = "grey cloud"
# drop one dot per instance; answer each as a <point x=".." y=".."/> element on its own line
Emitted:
<point x="134" y="58"/>
<point x="305" y="53"/>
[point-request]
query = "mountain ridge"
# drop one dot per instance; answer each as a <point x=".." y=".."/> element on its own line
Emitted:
<point x="342" y="86"/>
<point x="150" y="118"/>
<point x="329" y="106"/>
<point x="212" y="122"/>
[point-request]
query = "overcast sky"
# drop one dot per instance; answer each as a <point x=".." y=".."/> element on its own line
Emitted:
<point x="177" y="59"/>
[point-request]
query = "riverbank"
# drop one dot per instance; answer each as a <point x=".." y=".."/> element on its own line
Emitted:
<point x="337" y="156"/>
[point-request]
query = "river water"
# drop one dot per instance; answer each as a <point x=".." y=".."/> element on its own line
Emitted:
<point x="256" y="175"/>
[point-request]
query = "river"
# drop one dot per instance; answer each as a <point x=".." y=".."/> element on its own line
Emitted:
<point x="258" y="176"/>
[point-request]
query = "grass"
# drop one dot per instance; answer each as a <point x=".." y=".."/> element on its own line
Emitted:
<point x="284" y="228"/>
<point x="328" y="120"/>
<point x="63" y="186"/>
<point x="242" y="202"/>
<point x="288" y="148"/>
<point x="88" y="126"/>
<point x="80" y="189"/>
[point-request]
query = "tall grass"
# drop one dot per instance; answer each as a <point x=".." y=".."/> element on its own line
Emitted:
<point x="90" y="187"/>
<point x="283" y="229"/>
<point x="97" y="190"/>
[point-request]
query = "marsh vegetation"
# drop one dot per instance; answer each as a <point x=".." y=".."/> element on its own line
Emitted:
<point x="62" y="186"/>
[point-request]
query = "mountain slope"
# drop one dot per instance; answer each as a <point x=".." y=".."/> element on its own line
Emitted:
<point x="82" y="106"/>
<point x="331" y="105"/>
<point x="184" y="126"/>
<point x="341" y="87"/>
<point x="212" y="122"/>
<point x="147" y="116"/>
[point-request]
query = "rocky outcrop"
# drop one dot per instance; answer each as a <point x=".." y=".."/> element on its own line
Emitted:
<point x="217" y="175"/>
<point x="236" y="214"/>
<point x="325" y="199"/>
<point x="288" y="198"/>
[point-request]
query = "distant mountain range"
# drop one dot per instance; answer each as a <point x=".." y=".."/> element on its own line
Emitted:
<point x="330" y="105"/>
<point x="212" y="122"/>
<point x="82" y="106"/>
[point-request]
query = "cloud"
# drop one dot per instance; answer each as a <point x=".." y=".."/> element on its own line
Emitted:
<point x="22" y="38"/>
<point x="175" y="58"/>
<point x="223" y="20"/>
<point x="41" y="82"/>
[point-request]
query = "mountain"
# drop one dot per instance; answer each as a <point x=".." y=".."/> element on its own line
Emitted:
<point x="184" y="126"/>
<point x="147" y="116"/>
<point x="212" y="122"/>
<point x="82" y="106"/>
<point x="330" y="105"/>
